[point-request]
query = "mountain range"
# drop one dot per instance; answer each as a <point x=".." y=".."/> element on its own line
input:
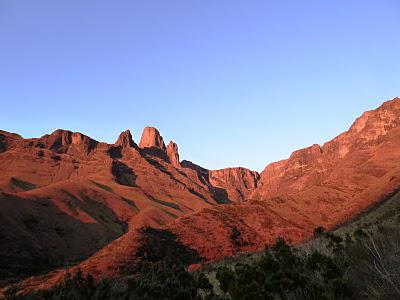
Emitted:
<point x="69" y="202"/>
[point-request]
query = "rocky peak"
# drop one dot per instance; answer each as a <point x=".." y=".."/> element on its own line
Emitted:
<point x="202" y="173"/>
<point x="377" y="122"/>
<point x="173" y="155"/>
<point x="61" y="140"/>
<point x="10" y="135"/>
<point x="310" y="166"/>
<point x="306" y="155"/>
<point x="125" y="139"/>
<point x="368" y="128"/>
<point x="7" y="138"/>
<point x="151" y="138"/>
<point x="236" y="183"/>
<point x="236" y="176"/>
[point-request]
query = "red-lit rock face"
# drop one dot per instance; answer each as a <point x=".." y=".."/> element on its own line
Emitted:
<point x="151" y="138"/>
<point x="315" y="165"/>
<point x="173" y="155"/>
<point x="125" y="139"/>
<point x="65" y="141"/>
<point x="238" y="182"/>
<point x="316" y="186"/>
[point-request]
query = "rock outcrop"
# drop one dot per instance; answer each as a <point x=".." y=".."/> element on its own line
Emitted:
<point x="313" y="166"/>
<point x="7" y="138"/>
<point x="173" y="154"/>
<point x="65" y="141"/>
<point x="151" y="138"/>
<point x="237" y="182"/>
<point x="227" y="185"/>
<point x="125" y="140"/>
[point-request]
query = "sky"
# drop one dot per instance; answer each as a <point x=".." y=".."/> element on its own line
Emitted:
<point x="233" y="83"/>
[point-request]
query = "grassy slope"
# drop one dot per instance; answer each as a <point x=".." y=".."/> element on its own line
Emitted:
<point x="385" y="214"/>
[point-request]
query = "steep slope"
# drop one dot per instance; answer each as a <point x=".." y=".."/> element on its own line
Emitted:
<point x="227" y="185"/>
<point x="64" y="196"/>
<point x="320" y="164"/>
<point x="316" y="186"/>
<point x="239" y="183"/>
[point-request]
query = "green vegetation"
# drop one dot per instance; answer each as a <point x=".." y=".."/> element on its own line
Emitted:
<point x="284" y="272"/>
<point x="40" y="153"/>
<point x="374" y="263"/>
<point x="360" y="260"/>
<point x="161" y="280"/>
<point x="362" y="265"/>
<point x="131" y="203"/>
<point x="103" y="186"/>
<point x="165" y="203"/>
<point x="21" y="184"/>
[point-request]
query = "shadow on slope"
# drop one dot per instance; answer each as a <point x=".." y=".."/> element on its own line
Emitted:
<point x="123" y="174"/>
<point x="160" y="244"/>
<point x="21" y="184"/>
<point x="37" y="236"/>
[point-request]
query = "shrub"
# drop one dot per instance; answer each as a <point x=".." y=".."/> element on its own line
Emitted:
<point x="283" y="272"/>
<point x="375" y="263"/>
<point x="160" y="280"/>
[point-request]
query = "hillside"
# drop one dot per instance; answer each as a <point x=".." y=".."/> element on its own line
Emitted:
<point x="65" y="196"/>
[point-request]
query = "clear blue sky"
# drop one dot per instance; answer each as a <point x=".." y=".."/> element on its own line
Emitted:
<point x="234" y="83"/>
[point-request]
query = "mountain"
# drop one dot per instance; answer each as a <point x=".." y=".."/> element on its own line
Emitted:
<point x="67" y="198"/>
<point x="317" y="186"/>
<point x="64" y="196"/>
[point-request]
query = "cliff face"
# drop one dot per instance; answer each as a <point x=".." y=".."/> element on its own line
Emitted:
<point x="317" y="186"/>
<point x="239" y="183"/>
<point x="65" y="141"/>
<point x="151" y="138"/>
<point x="7" y="139"/>
<point x="173" y="155"/>
<point x="316" y="165"/>
<point x="125" y="139"/>
<point x="226" y="185"/>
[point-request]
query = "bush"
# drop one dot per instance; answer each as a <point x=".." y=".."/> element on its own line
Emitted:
<point x="375" y="263"/>
<point x="283" y="272"/>
<point x="160" y="280"/>
<point x="362" y="265"/>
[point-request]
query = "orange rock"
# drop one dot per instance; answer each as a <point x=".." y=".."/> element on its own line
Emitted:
<point x="173" y="155"/>
<point x="125" y="139"/>
<point x="151" y="138"/>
